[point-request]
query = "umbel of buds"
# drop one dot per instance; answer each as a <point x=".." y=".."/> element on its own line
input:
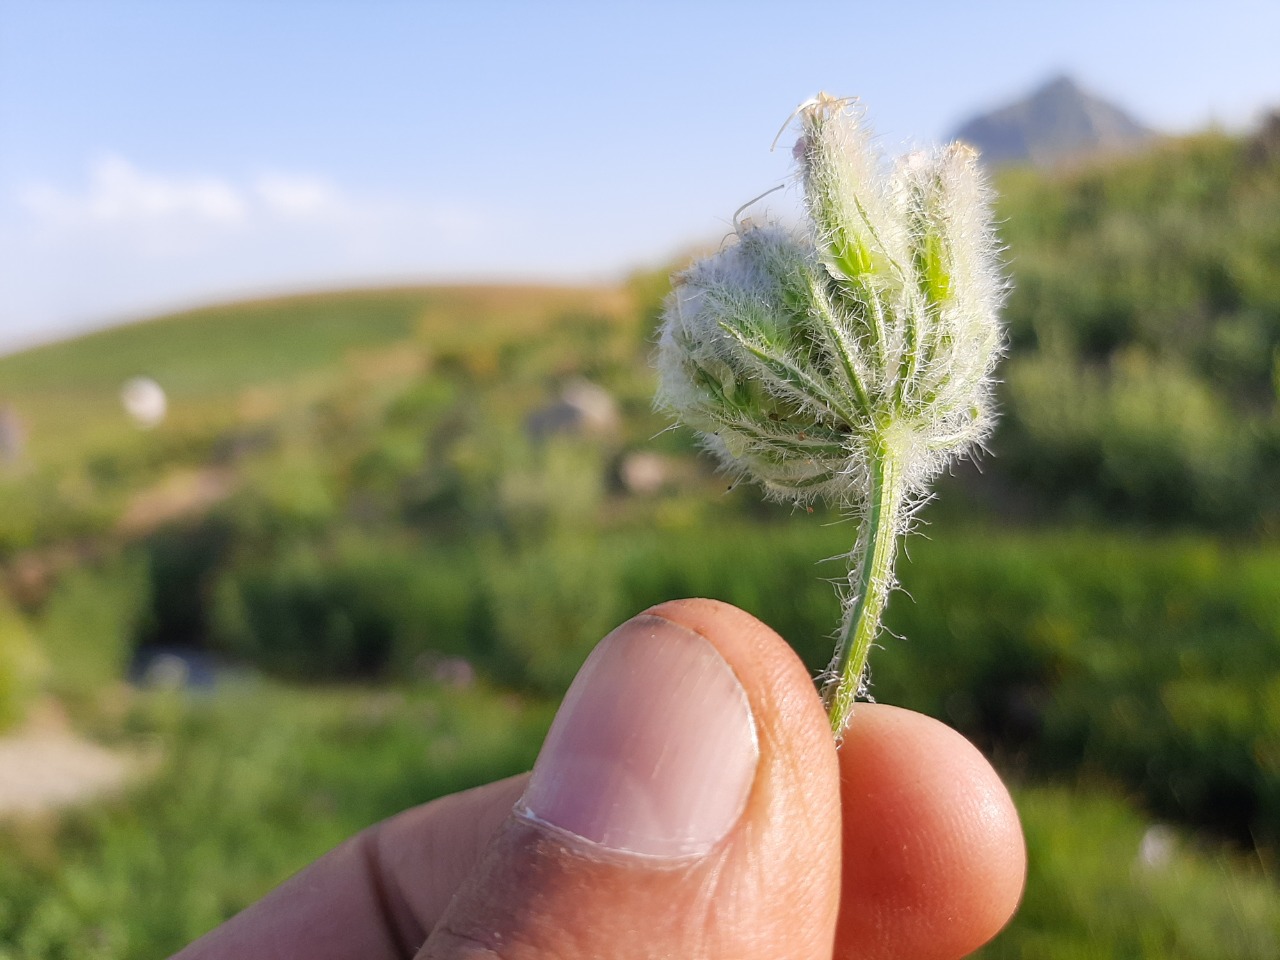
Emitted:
<point x="852" y="360"/>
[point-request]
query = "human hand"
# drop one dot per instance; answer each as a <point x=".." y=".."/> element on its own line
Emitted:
<point x="688" y="803"/>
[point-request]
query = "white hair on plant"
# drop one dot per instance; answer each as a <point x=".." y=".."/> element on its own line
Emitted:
<point x="851" y="361"/>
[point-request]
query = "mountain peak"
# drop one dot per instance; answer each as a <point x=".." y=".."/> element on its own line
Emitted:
<point x="1057" y="121"/>
<point x="1062" y="84"/>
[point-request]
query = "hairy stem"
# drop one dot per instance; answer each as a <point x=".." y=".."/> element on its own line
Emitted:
<point x="871" y="579"/>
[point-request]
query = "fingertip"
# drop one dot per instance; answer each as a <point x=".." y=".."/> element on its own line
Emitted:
<point x="796" y="745"/>
<point x="934" y="860"/>
<point x="625" y="842"/>
<point x="776" y="680"/>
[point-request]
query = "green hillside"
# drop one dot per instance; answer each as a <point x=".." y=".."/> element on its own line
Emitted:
<point x="207" y="360"/>
<point x="355" y="494"/>
<point x="1144" y="380"/>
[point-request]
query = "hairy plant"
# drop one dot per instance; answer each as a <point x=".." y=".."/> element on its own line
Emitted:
<point x="852" y="360"/>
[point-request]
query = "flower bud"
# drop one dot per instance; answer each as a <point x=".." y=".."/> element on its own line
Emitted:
<point x="852" y="360"/>
<point x="798" y="355"/>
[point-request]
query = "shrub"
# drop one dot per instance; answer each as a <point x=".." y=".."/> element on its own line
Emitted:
<point x="90" y="623"/>
<point x="310" y="613"/>
<point x="1140" y="438"/>
<point x="359" y="606"/>
<point x="1157" y="663"/>
<point x="20" y="667"/>
<point x="550" y="604"/>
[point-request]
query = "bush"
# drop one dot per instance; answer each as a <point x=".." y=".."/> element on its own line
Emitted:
<point x="550" y="605"/>
<point x="774" y="570"/>
<point x="181" y="563"/>
<point x="46" y="506"/>
<point x="1157" y="663"/>
<point x="21" y="667"/>
<point x="1144" y="319"/>
<point x="359" y="607"/>
<point x="1140" y="438"/>
<point x="89" y="625"/>
<point x="311" y="613"/>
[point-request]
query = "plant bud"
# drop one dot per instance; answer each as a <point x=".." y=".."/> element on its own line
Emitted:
<point x="852" y="360"/>
<point x="797" y="356"/>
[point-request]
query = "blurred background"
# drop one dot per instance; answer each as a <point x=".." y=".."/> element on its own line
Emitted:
<point x="327" y="449"/>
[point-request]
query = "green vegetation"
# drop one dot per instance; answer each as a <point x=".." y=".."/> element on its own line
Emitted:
<point x="262" y="779"/>
<point x="352" y="489"/>
<point x="1145" y="322"/>
<point x="20" y="664"/>
<point x="1152" y="662"/>
<point x="1103" y="884"/>
<point x="252" y="784"/>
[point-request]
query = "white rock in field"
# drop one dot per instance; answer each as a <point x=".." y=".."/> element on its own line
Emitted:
<point x="1157" y="849"/>
<point x="144" y="401"/>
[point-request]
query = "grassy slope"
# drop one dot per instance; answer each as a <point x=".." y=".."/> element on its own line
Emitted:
<point x="67" y="393"/>
<point x="218" y="362"/>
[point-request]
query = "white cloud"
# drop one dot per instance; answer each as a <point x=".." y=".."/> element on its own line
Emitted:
<point x="120" y="198"/>
<point x="127" y="240"/>
<point x="120" y="193"/>
<point x="128" y="210"/>
<point x="298" y="195"/>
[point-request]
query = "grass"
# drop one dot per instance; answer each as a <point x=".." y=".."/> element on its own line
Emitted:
<point x="67" y="392"/>
<point x="255" y="782"/>
<point x="260" y="779"/>
<point x="1106" y="883"/>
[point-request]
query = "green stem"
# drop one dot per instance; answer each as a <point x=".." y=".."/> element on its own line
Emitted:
<point x="871" y="581"/>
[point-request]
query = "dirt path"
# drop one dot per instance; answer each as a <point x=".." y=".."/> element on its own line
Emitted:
<point x="45" y="766"/>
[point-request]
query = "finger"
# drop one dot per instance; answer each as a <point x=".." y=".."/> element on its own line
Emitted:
<point x="934" y="860"/>
<point x="685" y="804"/>
<point x="375" y="896"/>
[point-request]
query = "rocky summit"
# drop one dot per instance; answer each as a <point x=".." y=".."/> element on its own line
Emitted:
<point x="1057" y="122"/>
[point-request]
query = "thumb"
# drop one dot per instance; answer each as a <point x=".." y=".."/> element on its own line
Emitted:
<point x="685" y="804"/>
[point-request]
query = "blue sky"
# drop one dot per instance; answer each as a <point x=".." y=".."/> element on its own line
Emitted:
<point x="159" y="154"/>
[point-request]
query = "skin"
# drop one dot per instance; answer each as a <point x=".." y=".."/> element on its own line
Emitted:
<point x="904" y="844"/>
